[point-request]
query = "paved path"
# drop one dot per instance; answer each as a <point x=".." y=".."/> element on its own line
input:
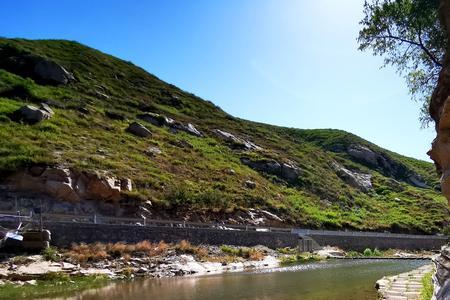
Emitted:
<point x="405" y="286"/>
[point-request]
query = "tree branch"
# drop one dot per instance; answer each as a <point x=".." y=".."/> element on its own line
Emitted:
<point x="427" y="52"/>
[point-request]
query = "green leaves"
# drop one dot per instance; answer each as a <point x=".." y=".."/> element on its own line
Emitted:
<point x="408" y="34"/>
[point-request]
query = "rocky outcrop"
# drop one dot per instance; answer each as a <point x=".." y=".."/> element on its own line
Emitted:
<point x="39" y="68"/>
<point x="174" y="126"/>
<point x="236" y="142"/>
<point x="441" y="277"/>
<point x="139" y="130"/>
<point x="385" y="164"/>
<point x="71" y="185"/>
<point x="156" y="119"/>
<point x="50" y="71"/>
<point x="359" y="180"/>
<point x="31" y="115"/>
<point x="285" y="171"/>
<point x="189" y="128"/>
<point x="440" y="110"/>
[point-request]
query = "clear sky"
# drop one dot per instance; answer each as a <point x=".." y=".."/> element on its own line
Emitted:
<point x="285" y="62"/>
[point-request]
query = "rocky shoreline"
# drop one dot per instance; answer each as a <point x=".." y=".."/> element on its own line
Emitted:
<point x="146" y="260"/>
<point x="28" y="269"/>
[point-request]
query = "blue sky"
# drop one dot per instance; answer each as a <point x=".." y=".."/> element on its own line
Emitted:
<point x="286" y="62"/>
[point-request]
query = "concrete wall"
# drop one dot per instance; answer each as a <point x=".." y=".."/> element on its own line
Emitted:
<point x="63" y="234"/>
<point x="360" y="242"/>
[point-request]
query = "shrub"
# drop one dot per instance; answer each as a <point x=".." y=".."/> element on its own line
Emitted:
<point x="353" y="254"/>
<point x="247" y="253"/>
<point x="186" y="247"/>
<point x="367" y="252"/>
<point x="377" y="252"/>
<point x="51" y="254"/>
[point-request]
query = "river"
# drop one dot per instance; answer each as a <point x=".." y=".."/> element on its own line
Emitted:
<point x="330" y="280"/>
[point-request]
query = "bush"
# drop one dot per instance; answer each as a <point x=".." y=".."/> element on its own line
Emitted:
<point x="353" y="254"/>
<point x="186" y="247"/>
<point x="367" y="252"/>
<point x="51" y="254"/>
<point x="247" y="253"/>
<point x="376" y="252"/>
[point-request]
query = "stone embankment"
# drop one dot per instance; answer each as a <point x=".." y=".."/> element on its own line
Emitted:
<point x="405" y="286"/>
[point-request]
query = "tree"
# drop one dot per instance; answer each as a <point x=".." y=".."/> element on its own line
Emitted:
<point x="409" y="35"/>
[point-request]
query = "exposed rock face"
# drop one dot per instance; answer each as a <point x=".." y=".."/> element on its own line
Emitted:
<point x="39" y="68"/>
<point x="175" y="126"/>
<point x="286" y="171"/>
<point x="359" y="180"/>
<point x="31" y="114"/>
<point x="189" y="128"/>
<point x="441" y="278"/>
<point x="70" y="185"/>
<point x="139" y="130"/>
<point x="156" y="119"/>
<point x="385" y="164"/>
<point x="440" y="152"/>
<point x="236" y="142"/>
<point x="50" y="71"/>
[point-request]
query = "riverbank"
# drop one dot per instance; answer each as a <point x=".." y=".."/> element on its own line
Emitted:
<point x="84" y="266"/>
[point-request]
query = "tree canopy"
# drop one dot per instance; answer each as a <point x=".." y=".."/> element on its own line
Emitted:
<point x="408" y="34"/>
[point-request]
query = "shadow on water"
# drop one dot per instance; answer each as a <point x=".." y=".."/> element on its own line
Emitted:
<point x="331" y="280"/>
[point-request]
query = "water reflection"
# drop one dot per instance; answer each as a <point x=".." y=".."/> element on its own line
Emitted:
<point x="332" y="280"/>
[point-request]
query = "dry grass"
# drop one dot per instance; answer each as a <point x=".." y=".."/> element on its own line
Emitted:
<point x="83" y="253"/>
<point x="187" y="248"/>
<point x="99" y="251"/>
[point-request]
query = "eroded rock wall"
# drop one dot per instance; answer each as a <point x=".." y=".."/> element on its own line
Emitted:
<point x="440" y="111"/>
<point x="440" y="152"/>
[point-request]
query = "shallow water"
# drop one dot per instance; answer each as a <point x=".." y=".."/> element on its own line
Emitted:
<point x="331" y="280"/>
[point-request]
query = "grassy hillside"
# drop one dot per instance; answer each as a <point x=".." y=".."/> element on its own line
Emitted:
<point x="198" y="175"/>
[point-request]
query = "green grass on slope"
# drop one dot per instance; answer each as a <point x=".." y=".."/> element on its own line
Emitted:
<point x="197" y="177"/>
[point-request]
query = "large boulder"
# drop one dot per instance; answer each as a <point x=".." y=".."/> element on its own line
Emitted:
<point x="189" y="128"/>
<point x="31" y="114"/>
<point x="289" y="172"/>
<point x="139" y="130"/>
<point x="285" y="171"/>
<point x="41" y="69"/>
<point x="175" y="126"/>
<point x="156" y="119"/>
<point x="51" y="71"/>
<point x="359" y="180"/>
<point x="235" y="142"/>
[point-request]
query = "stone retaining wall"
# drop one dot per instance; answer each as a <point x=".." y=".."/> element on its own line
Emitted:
<point x="360" y="242"/>
<point x="63" y="234"/>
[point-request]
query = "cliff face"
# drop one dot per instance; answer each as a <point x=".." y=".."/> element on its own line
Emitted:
<point x="440" y="153"/>
<point x="440" y="112"/>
